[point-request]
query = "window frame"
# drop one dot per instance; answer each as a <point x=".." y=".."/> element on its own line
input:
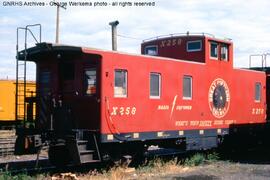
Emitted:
<point x="126" y="78"/>
<point x="194" y="50"/>
<point x="191" y="87"/>
<point x="210" y="44"/>
<point x="151" y="46"/>
<point x="85" y="90"/>
<point x="159" y="87"/>
<point x="256" y="92"/>
<point x="227" y="52"/>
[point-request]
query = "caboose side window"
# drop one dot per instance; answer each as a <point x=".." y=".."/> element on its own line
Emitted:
<point x="187" y="87"/>
<point x="120" y="83"/>
<point x="224" y="52"/>
<point x="151" y="50"/>
<point x="193" y="46"/>
<point x="90" y="81"/>
<point x="155" y="85"/>
<point x="214" y="50"/>
<point x="258" y="88"/>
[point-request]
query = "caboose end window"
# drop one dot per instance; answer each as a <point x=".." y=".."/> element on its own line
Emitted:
<point x="90" y="81"/>
<point x="224" y="52"/>
<point x="258" y="88"/>
<point x="120" y="83"/>
<point x="193" y="46"/>
<point x="151" y="50"/>
<point x="155" y="85"/>
<point x="187" y="87"/>
<point x="214" y="50"/>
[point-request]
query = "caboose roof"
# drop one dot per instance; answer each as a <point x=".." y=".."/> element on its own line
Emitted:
<point x="46" y="48"/>
<point x="43" y="49"/>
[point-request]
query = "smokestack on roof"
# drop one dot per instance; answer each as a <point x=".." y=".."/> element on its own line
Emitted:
<point x="114" y="34"/>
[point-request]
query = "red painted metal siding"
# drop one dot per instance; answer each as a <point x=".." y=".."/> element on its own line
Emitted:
<point x="218" y="62"/>
<point x="176" y="47"/>
<point x="171" y="111"/>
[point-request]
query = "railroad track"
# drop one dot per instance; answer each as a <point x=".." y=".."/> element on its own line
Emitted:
<point x="7" y="142"/>
<point x="31" y="166"/>
<point x="25" y="165"/>
<point x="44" y="166"/>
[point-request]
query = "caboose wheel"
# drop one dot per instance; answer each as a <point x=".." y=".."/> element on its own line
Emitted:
<point x="58" y="155"/>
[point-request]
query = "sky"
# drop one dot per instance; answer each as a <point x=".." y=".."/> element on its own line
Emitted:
<point x="246" y="22"/>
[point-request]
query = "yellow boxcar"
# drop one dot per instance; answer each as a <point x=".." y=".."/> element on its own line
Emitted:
<point x="7" y="98"/>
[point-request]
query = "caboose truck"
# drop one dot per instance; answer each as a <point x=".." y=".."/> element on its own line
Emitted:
<point x="182" y="92"/>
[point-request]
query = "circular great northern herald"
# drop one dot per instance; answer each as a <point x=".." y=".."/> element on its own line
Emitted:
<point x="219" y="98"/>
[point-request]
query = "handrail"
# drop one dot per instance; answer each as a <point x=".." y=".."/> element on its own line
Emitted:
<point x="255" y="55"/>
<point x="263" y="59"/>
<point x="182" y="34"/>
<point x="27" y="30"/>
<point x="266" y="54"/>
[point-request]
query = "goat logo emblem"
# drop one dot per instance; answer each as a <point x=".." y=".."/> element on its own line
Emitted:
<point x="219" y="98"/>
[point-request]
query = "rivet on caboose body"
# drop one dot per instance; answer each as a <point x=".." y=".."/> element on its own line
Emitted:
<point x="183" y="92"/>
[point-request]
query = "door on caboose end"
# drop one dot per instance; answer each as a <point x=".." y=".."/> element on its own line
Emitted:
<point x="86" y="105"/>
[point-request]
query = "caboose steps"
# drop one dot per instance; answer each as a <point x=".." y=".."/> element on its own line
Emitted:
<point x="81" y="151"/>
<point x="86" y="156"/>
<point x="82" y="144"/>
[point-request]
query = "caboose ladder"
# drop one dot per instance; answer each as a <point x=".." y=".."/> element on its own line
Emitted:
<point x="21" y="58"/>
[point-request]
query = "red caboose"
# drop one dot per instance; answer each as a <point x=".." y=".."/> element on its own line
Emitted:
<point x="182" y="92"/>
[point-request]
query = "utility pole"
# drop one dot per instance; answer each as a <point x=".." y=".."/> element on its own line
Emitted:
<point x="114" y="34"/>
<point x="57" y="20"/>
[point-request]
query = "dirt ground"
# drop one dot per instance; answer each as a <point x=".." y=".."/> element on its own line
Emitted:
<point x="222" y="170"/>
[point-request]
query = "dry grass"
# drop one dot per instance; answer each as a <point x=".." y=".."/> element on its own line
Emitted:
<point x="158" y="167"/>
<point x="154" y="168"/>
<point x="116" y="173"/>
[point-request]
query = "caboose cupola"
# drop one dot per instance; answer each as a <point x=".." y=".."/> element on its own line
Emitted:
<point x="202" y="48"/>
